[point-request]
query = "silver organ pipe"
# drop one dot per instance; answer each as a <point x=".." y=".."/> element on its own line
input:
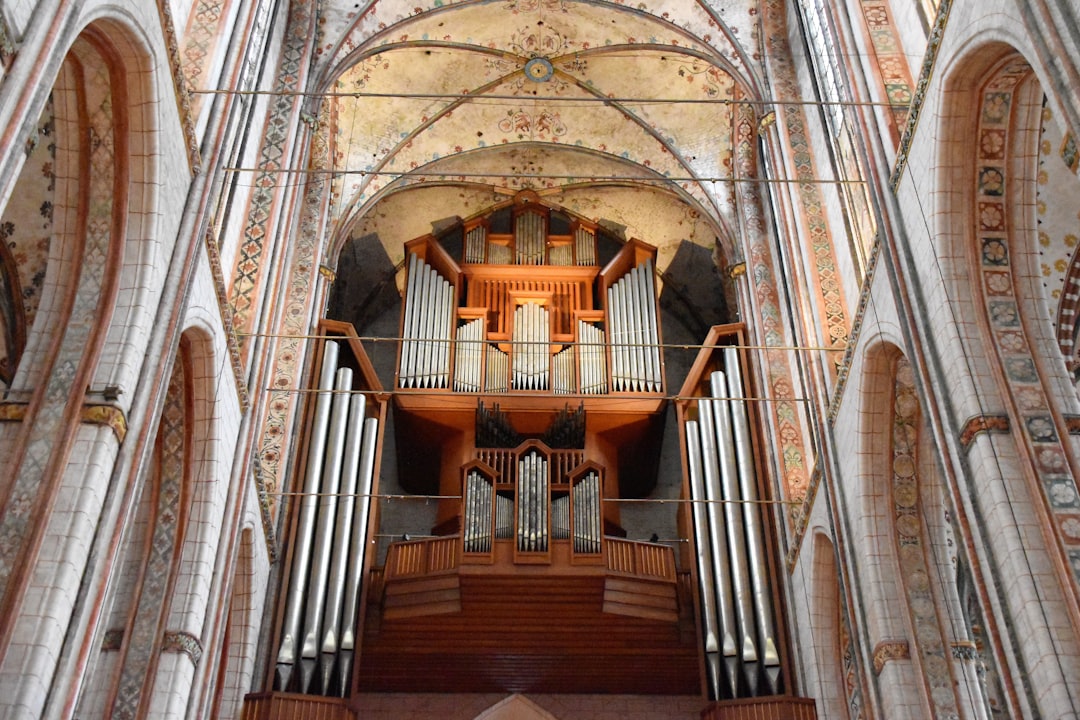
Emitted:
<point x="742" y="627"/>
<point x="499" y="254"/>
<point x="562" y="366"/>
<point x="704" y="556"/>
<point x="532" y="503"/>
<point x="585" y="246"/>
<point x="634" y="332"/>
<point x="560" y="518"/>
<point x="498" y="369"/>
<point x="529" y="345"/>
<point x="591" y="359"/>
<point x="586" y="508"/>
<point x="740" y="568"/>
<point x="530" y="238"/>
<point x="469" y="355"/>
<point x="358" y="543"/>
<point x="561" y="255"/>
<point x="478" y="510"/>
<point x="475" y="244"/>
<point x="343" y="529"/>
<point x="652" y="331"/>
<point x="294" y="601"/>
<point x="504" y="517"/>
<point x="725" y="605"/>
<point x="427" y="330"/>
<point x="615" y="336"/>
<point x="324" y="529"/>
<point x="755" y="543"/>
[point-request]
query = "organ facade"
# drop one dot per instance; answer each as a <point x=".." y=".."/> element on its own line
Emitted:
<point x="529" y="401"/>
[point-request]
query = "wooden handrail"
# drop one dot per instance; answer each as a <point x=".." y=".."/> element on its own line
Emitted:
<point x="639" y="559"/>
<point x="416" y="558"/>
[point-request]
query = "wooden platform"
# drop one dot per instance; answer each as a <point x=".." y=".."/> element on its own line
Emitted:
<point x="535" y="633"/>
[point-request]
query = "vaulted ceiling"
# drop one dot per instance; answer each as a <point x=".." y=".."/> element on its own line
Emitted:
<point x="621" y="113"/>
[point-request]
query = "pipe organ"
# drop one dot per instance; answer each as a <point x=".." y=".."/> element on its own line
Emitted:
<point x="738" y="604"/>
<point x="529" y="405"/>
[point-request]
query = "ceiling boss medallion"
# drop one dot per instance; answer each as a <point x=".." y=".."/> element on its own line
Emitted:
<point x="539" y="69"/>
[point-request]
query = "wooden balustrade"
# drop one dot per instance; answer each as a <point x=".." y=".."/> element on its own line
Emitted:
<point x="287" y="706"/>
<point x="638" y="559"/>
<point x="416" y="558"/>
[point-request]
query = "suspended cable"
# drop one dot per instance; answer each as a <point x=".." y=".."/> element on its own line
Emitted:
<point x="453" y="341"/>
<point x="358" y="95"/>
<point x="449" y="175"/>
<point x="428" y="498"/>
<point x="608" y="398"/>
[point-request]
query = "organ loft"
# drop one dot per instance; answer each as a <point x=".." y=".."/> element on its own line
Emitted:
<point x="517" y="538"/>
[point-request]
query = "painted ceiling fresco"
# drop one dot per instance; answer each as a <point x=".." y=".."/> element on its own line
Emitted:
<point x="551" y="95"/>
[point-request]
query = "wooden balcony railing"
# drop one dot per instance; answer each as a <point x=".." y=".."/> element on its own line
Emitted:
<point x="638" y="559"/>
<point x="417" y="558"/>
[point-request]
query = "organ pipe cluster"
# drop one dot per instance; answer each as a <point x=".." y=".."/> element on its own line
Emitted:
<point x="573" y="516"/>
<point x="430" y="303"/>
<point x="737" y="607"/>
<point x="530" y="345"/>
<point x="634" y="332"/>
<point x="318" y="633"/>
<point x="530" y="240"/>
<point x="447" y="347"/>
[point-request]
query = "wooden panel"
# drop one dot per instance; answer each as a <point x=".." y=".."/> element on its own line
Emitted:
<point x="773" y="708"/>
<point x="535" y="633"/>
<point x="287" y="706"/>
<point x="640" y="559"/>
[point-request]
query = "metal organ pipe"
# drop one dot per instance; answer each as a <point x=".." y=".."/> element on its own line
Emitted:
<point x="740" y="569"/>
<point x="704" y="555"/>
<point x="357" y="549"/>
<point x="468" y="360"/>
<point x="343" y="528"/>
<point x="294" y="602"/>
<point x="428" y="327"/>
<point x="721" y="467"/>
<point x="634" y="331"/>
<point x="752" y="514"/>
<point x="725" y="605"/>
<point x="653" y="329"/>
<point x="324" y="528"/>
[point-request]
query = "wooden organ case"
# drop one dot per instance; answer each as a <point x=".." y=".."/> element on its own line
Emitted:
<point x="529" y="397"/>
<point x="529" y="400"/>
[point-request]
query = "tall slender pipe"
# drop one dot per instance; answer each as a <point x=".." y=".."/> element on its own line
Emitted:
<point x="752" y="514"/>
<point x="294" y="603"/>
<point x="725" y="606"/>
<point x="324" y="527"/>
<point x="701" y="539"/>
<point x="343" y="526"/>
<point x="408" y="329"/>
<point x="654" y="326"/>
<point x="358" y="543"/>
<point x="733" y="517"/>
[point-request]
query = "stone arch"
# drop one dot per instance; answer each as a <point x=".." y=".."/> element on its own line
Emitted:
<point x="886" y="624"/>
<point x="829" y="631"/>
<point x="1019" y="496"/>
<point x="96" y="201"/>
<point x="236" y="666"/>
<point x="1025" y="354"/>
<point x="199" y="541"/>
<point x="152" y="556"/>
